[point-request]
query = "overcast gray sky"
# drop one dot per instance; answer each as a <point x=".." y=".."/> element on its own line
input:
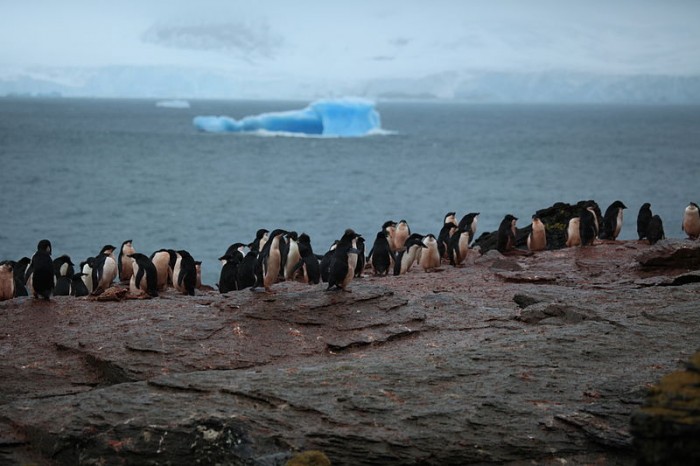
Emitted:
<point x="358" y="39"/>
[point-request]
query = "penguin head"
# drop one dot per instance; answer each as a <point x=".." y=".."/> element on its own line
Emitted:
<point x="107" y="250"/>
<point x="44" y="245"/>
<point x="646" y="205"/>
<point x="304" y="239"/>
<point x="618" y="205"/>
<point x="450" y="217"/>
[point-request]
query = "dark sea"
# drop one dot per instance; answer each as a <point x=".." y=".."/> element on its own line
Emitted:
<point x="85" y="173"/>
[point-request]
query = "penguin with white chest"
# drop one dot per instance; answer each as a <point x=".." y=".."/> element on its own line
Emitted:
<point x="573" y="235"/>
<point x="164" y="261"/>
<point x="430" y="256"/>
<point x="612" y="221"/>
<point x="104" y="270"/>
<point x="458" y="246"/>
<point x="124" y="262"/>
<point x="270" y="260"/>
<point x="343" y="262"/>
<point x="185" y="273"/>
<point x="537" y="239"/>
<point x="144" y="275"/>
<point x="691" y="221"/>
<point x="506" y="234"/>
<point x="409" y="255"/>
<point x="63" y="269"/>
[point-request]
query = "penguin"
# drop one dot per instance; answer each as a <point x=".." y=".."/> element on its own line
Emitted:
<point x="691" y="221"/>
<point x="164" y="261"/>
<point x="7" y="281"/>
<point x="655" y="230"/>
<point x="104" y="270"/>
<point x="228" y="278"/>
<point x="443" y="239"/>
<point x="270" y="260"/>
<point x="77" y="286"/>
<point x="261" y="237"/>
<point x="537" y="239"/>
<point x="293" y="255"/>
<point x="381" y="254"/>
<point x="42" y="274"/>
<point x="612" y="221"/>
<point x="390" y="227"/>
<point x="587" y="226"/>
<point x="506" y="234"/>
<point x="144" y="275"/>
<point x="430" y="257"/>
<point x="236" y="249"/>
<point x="361" y="260"/>
<point x="246" y="276"/>
<point x="643" y="218"/>
<point x="469" y="222"/>
<point x="343" y="261"/>
<point x="573" y="235"/>
<point x="19" y="271"/>
<point x="458" y="246"/>
<point x="198" y="269"/>
<point x="325" y="263"/>
<point x="184" y="273"/>
<point x="409" y="255"/>
<point x="308" y="265"/>
<point x="401" y="234"/>
<point x="124" y="262"/>
<point x="86" y="269"/>
<point x="63" y="269"/>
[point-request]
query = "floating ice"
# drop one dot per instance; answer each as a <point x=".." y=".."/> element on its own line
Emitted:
<point x="333" y="117"/>
<point x="173" y="104"/>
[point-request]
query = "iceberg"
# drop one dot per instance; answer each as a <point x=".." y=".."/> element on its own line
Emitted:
<point x="348" y="117"/>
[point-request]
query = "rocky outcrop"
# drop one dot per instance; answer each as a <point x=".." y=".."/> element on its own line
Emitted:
<point x="506" y="360"/>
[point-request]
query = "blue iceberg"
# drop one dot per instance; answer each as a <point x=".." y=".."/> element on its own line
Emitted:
<point x="333" y="117"/>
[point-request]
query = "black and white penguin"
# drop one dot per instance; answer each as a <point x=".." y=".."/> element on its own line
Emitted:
<point x="7" y="281"/>
<point x="430" y="256"/>
<point x="325" y="262"/>
<point x="293" y="255"/>
<point x="164" y="261"/>
<point x="309" y="267"/>
<point x="247" y="270"/>
<point x="234" y="250"/>
<point x="86" y="269"/>
<point x="63" y="269"/>
<point x="228" y="278"/>
<point x="361" y="259"/>
<point x="261" y="237"/>
<point x="401" y="234"/>
<point x="469" y="222"/>
<point x="382" y="255"/>
<point x="42" y="273"/>
<point x="343" y="262"/>
<point x="185" y="273"/>
<point x="588" y="226"/>
<point x="655" y="230"/>
<point x="104" y="270"/>
<point x="612" y="221"/>
<point x="573" y="232"/>
<point x="77" y="286"/>
<point x="643" y="219"/>
<point x="691" y="221"/>
<point x="443" y="239"/>
<point x="270" y="259"/>
<point x="458" y="246"/>
<point x="124" y="263"/>
<point x="144" y="275"/>
<point x="406" y="257"/>
<point x="506" y="234"/>
<point x="537" y="239"/>
<point x="390" y="227"/>
<point x="20" y="270"/>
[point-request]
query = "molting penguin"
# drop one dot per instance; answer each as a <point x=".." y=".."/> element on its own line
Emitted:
<point x="588" y="227"/>
<point x="691" y="221"/>
<point x="77" y="286"/>
<point x="458" y="246"/>
<point x="124" y="263"/>
<point x="144" y="276"/>
<point x="185" y="273"/>
<point x="506" y="234"/>
<point x="612" y="221"/>
<point x="406" y="257"/>
<point x="63" y="269"/>
<point x="42" y="273"/>
<point x="270" y="259"/>
<point x="573" y="235"/>
<point x="343" y="261"/>
<point x="655" y="230"/>
<point x="430" y="256"/>
<point x="7" y="281"/>
<point x="104" y="270"/>
<point x="537" y="239"/>
<point x="381" y="254"/>
<point x="403" y="231"/>
<point x="643" y="219"/>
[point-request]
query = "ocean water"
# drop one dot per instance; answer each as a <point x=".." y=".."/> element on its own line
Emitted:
<point x="85" y="173"/>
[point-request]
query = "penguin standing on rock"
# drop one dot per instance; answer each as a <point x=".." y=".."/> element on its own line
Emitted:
<point x="573" y="232"/>
<point x="403" y="231"/>
<point x="537" y="239"/>
<point x="63" y="268"/>
<point x="361" y="260"/>
<point x="406" y="257"/>
<point x="246" y="275"/>
<point x="325" y="262"/>
<point x="381" y="254"/>
<point x="343" y="262"/>
<point x="308" y="262"/>
<point x="164" y="262"/>
<point x="77" y="286"/>
<point x="458" y="246"/>
<point x="7" y="281"/>
<point x="430" y="257"/>
<point x="612" y="221"/>
<point x="20" y="269"/>
<point x="448" y="229"/>
<point x="228" y="278"/>
<point x="691" y="221"/>
<point x="643" y="219"/>
<point x="144" y="275"/>
<point x="42" y="272"/>
<point x="86" y="269"/>
<point x="124" y="262"/>
<point x="588" y="227"/>
<point x="185" y="273"/>
<point x="469" y="222"/>
<point x="270" y="260"/>
<point x="655" y="230"/>
<point x="104" y="270"/>
<point x="506" y="234"/>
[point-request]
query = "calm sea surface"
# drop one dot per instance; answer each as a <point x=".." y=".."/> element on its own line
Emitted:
<point x="85" y="173"/>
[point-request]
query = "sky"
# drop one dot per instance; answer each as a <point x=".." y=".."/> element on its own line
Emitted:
<point x="279" y="39"/>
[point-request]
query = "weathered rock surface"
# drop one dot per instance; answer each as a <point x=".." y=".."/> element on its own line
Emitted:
<point x="489" y="363"/>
